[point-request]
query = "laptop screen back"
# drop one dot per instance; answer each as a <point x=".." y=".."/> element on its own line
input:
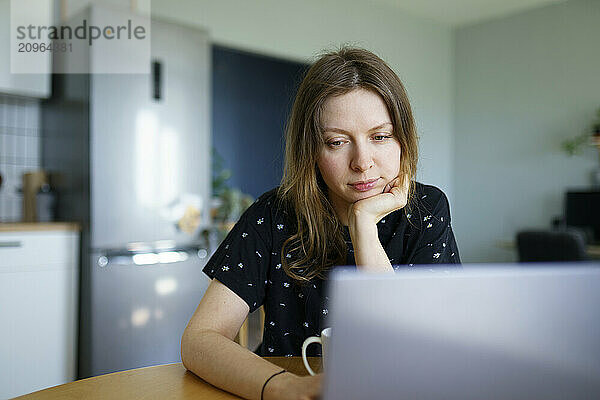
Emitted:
<point x="483" y="334"/>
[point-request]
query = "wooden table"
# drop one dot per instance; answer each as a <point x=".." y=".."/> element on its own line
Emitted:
<point x="170" y="381"/>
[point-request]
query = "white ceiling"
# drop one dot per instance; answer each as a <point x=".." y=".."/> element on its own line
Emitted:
<point x="464" y="12"/>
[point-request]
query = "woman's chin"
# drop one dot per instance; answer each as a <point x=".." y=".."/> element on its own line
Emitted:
<point x="365" y="195"/>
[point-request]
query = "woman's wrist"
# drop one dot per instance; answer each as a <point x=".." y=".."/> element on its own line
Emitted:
<point x="361" y="226"/>
<point x="276" y="387"/>
<point x="369" y="254"/>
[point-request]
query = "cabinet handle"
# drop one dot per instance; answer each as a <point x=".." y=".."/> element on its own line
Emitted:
<point x="10" y="245"/>
<point x="157" y="80"/>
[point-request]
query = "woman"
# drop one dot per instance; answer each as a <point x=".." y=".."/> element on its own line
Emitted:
<point x="348" y="196"/>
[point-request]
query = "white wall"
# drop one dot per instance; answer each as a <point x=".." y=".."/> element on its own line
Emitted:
<point x="523" y="85"/>
<point x="493" y="101"/>
<point x="419" y="50"/>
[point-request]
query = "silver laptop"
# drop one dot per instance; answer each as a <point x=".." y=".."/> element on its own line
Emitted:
<point x="503" y="332"/>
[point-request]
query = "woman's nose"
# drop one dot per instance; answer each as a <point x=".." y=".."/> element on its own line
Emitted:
<point x="362" y="159"/>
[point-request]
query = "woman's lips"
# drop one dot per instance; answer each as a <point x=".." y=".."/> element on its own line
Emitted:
<point x="364" y="186"/>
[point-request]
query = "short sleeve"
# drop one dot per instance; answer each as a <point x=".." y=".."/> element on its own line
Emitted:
<point x="436" y="244"/>
<point x="242" y="260"/>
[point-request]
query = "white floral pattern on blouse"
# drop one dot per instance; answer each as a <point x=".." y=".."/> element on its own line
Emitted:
<point x="421" y="235"/>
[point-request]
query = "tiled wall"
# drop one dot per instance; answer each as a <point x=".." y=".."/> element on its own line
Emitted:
<point x="19" y="150"/>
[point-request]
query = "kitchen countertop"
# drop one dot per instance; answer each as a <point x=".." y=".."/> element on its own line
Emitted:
<point x="38" y="226"/>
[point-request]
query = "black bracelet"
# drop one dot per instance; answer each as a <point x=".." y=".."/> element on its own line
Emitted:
<point x="262" y="392"/>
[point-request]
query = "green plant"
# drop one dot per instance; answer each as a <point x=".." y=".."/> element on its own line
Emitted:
<point x="220" y="174"/>
<point x="233" y="204"/>
<point x="230" y="202"/>
<point x="596" y="127"/>
<point x="576" y="145"/>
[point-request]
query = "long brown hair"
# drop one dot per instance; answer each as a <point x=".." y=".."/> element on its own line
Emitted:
<point x="318" y="243"/>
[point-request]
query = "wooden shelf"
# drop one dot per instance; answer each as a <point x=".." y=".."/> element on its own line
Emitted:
<point x="38" y="226"/>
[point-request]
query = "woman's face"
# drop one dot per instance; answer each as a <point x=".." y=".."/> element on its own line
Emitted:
<point x="360" y="155"/>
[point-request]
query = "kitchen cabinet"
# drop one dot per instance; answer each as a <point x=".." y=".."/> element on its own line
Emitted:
<point x="39" y="282"/>
<point x="29" y="85"/>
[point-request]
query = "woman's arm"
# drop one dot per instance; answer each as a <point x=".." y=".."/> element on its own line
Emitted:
<point x="208" y="350"/>
<point x="363" y="217"/>
<point x="369" y="254"/>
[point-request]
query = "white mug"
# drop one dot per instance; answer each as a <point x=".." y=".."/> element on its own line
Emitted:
<point x="324" y="341"/>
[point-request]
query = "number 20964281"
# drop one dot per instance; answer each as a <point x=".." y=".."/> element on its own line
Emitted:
<point x="44" y="47"/>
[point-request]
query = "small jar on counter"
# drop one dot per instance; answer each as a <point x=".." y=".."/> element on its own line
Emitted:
<point x="45" y="200"/>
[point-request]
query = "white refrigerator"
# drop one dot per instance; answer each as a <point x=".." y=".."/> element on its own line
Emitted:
<point x="131" y="153"/>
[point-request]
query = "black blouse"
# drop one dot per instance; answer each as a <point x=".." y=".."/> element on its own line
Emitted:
<point x="248" y="263"/>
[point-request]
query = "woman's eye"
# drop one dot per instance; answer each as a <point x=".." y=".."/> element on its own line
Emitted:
<point x="335" y="143"/>
<point x="380" y="138"/>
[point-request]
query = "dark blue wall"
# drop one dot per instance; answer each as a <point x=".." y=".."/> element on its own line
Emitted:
<point x="252" y="97"/>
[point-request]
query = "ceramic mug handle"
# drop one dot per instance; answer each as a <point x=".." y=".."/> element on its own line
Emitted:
<point x="308" y="341"/>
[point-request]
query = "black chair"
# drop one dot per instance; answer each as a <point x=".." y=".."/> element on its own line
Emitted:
<point x="547" y="246"/>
